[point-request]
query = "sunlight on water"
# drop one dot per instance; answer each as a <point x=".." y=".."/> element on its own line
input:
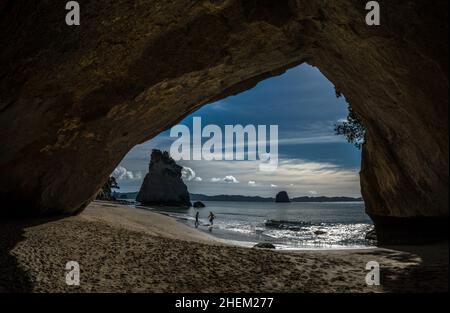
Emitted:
<point x="286" y="225"/>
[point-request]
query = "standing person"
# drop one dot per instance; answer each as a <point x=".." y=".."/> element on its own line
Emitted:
<point x="196" y="219"/>
<point x="211" y="218"/>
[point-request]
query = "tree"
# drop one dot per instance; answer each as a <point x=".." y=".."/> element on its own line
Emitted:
<point x="106" y="192"/>
<point x="353" y="129"/>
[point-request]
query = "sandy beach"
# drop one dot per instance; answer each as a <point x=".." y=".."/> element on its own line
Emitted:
<point x="121" y="249"/>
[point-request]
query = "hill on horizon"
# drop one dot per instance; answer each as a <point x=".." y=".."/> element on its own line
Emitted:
<point x="241" y="198"/>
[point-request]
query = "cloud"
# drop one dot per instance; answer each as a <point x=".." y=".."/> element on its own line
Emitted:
<point x="327" y="178"/>
<point x="198" y="179"/>
<point x="311" y="140"/>
<point x="273" y="185"/>
<point x="219" y="106"/>
<point x="121" y="173"/>
<point x="312" y="192"/>
<point x="188" y="173"/>
<point x="251" y="182"/>
<point x="227" y="179"/>
<point x="230" y="179"/>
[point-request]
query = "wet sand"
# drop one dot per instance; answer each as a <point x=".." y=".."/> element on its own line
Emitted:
<point x="121" y="249"/>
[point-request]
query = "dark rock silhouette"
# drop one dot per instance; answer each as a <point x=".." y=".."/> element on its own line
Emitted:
<point x="282" y="196"/>
<point x="199" y="204"/>
<point x="163" y="184"/>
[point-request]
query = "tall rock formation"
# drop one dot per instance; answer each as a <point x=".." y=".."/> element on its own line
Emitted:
<point x="282" y="196"/>
<point x="163" y="184"/>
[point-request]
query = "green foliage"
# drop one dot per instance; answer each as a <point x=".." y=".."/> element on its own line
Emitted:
<point x="353" y="129"/>
<point x="106" y="191"/>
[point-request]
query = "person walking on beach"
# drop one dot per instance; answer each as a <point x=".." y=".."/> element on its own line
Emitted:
<point x="211" y="218"/>
<point x="196" y="219"/>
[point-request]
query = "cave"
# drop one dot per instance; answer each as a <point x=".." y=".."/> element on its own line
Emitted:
<point x="74" y="100"/>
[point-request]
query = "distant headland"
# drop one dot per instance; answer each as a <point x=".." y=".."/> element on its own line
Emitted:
<point x="241" y="198"/>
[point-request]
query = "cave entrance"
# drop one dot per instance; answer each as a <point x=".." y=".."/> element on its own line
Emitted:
<point x="317" y="167"/>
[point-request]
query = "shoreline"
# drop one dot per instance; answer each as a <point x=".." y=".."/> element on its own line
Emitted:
<point x="173" y="227"/>
<point x="121" y="249"/>
<point x="227" y="236"/>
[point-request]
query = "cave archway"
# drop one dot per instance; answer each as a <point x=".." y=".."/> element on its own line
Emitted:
<point x="75" y="100"/>
<point x="311" y="161"/>
<point x="311" y="158"/>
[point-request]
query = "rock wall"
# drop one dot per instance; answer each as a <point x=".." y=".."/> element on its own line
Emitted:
<point x="163" y="184"/>
<point x="74" y="100"/>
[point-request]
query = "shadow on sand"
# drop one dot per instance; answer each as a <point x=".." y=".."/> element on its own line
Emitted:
<point x="403" y="269"/>
<point x="423" y="268"/>
<point x="14" y="278"/>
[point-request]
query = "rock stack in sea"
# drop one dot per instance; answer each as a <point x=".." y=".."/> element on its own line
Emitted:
<point x="163" y="184"/>
<point x="199" y="204"/>
<point x="282" y="196"/>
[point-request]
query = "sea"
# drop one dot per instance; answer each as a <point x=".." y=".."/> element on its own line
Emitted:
<point x="288" y="226"/>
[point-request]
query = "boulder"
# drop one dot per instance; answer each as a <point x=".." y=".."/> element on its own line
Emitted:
<point x="264" y="245"/>
<point x="282" y="196"/>
<point x="163" y="184"/>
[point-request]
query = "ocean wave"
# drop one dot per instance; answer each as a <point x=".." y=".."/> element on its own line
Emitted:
<point x="245" y="214"/>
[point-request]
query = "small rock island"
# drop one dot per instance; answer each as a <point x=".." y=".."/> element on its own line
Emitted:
<point x="282" y="197"/>
<point x="199" y="205"/>
<point x="163" y="184"/>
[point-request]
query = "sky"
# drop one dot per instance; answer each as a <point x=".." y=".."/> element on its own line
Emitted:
<point x="312" y="160"/>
